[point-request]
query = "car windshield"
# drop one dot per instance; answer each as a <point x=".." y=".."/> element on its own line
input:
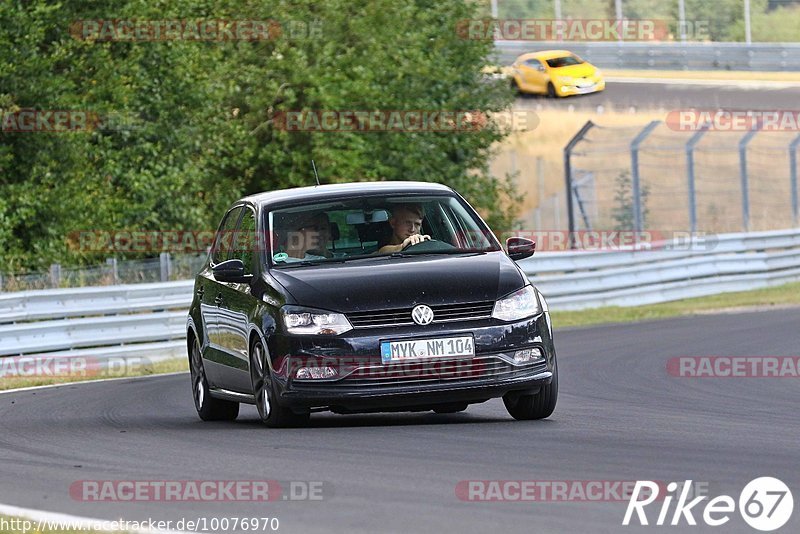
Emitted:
<point x="376" y="227"/>
<point x="565" y="61"/>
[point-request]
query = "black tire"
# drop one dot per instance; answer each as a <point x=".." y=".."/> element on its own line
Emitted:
<point x="515" y="87"/>
<point x="551" y="90"/>
<point x="208" y="408"/>
<point x="272" y="414"/>
<point x="538" y="406"/>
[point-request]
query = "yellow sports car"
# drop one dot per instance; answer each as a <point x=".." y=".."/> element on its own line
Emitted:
<point x="556" y="73"/>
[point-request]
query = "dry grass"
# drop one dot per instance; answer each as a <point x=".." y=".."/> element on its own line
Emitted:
<point x="539" y="158"/>
<point x="546" y="142"/>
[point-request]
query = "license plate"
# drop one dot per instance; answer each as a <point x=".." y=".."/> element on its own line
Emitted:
<point x="415" y="349"/>
<point x="584" y="90"/>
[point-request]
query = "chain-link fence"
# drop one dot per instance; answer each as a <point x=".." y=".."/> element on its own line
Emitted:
<point x="162" y="269"/>
<point x="654" y="177"/>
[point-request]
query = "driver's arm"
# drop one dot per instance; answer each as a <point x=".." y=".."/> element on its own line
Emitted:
<point x="407" y="242"/>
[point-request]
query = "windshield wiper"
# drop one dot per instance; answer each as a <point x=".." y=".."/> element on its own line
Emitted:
<point x="306" y="263"/>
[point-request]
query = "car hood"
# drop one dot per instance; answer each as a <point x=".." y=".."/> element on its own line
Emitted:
<point x="386" y="283"/>
<point x="584" y="70"/>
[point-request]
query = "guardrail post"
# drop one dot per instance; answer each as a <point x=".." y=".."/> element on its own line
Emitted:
<point x="55" y="275"/>
<point x="112" y="263"/>
<point x="743" y="174"/>
<point x="793" y="146"/>
<point x="166" y="266"/>
<point x="690" y="146"/>
<point x="637" y="196"/>
<point x="568" y="178"/>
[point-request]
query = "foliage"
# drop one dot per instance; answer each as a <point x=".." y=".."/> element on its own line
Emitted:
<point x="195" y="125"/>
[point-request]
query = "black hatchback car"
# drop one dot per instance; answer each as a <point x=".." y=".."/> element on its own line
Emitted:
<point x="366" y="297"/>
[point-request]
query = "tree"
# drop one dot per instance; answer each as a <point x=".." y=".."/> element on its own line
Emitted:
<point x="200" y="116"/>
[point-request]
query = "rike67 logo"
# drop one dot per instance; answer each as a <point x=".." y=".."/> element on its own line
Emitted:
<point x="765" y="504"/>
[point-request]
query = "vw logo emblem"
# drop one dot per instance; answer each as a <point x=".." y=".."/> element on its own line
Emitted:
<point x="422" y="314"/>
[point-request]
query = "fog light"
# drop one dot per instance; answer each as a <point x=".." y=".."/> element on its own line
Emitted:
<point x="314" y="373"/>
<point x="527" y="355"/>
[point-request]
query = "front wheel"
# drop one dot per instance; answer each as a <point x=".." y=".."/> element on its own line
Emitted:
<point x="272" y="414"/>
<point x="208" y="408"/>
<point x="551" y="90"/>
<point x="538" y="406"/>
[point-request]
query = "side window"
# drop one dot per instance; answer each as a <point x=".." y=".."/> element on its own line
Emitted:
<point x="245" y="246"/>
<point x="223" y="242"/>
<point x="534" y="64"/>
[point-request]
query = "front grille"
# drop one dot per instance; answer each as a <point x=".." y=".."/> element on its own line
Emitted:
<point x="469" y="311"/>
<point x="483" y="369"/>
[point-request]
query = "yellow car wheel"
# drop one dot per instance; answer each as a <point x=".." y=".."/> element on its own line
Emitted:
<point x="551" y="90"/>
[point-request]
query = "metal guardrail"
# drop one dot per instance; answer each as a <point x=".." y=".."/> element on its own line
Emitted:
<point x="149" y="319"/>
<point x="667" y="56"/>
<point x="731" y="262"/>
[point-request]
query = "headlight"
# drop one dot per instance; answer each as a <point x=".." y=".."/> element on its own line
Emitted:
<point x="518" y="305"/>
<point x="598" y="74"/>
<point x="315" y="322"/>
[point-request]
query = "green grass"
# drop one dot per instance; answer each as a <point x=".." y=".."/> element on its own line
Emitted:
<point x="166" y="366"/>
<point x="784" y="295"/>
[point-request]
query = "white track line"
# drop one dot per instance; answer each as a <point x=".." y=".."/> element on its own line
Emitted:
<point x="73" y="522"/>
<point x="62" y="384"/>
<point x="738" y="84"/>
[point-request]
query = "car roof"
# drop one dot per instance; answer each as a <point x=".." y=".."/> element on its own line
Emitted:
<point x="545" y="54"/>
<point x="301" y="194"/>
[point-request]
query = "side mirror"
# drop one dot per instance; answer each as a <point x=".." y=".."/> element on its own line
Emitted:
<point x="520" y="248"/>
<point x="231" y="271"/>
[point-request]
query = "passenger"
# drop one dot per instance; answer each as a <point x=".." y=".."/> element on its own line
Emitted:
<point x="406" y="223"/>
<point x="307" y="238"/>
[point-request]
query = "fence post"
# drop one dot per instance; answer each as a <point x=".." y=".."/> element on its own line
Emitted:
<point x="166" y="266"/>
<point x="743" y="174"/>
<point x="55" y="275"/>
<point x="690" y="146"/>
<point x="568" y="178"/>
<point x="793" y="146"/>
<point x="112" y="262"/>
<point x="1" y="282"/>
<point x="637" y="196"/>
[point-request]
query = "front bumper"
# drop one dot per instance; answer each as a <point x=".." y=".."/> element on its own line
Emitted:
<point x="366" y="384"/>
<point x="571" y="90"/>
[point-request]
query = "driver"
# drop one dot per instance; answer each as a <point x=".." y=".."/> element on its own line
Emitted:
<point x="406" y="223"/>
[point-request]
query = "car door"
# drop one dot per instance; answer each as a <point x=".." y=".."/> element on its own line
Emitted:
<point x="211" y="307"/>
<point x="534" y="75"/>
<point x="237" y="307"/>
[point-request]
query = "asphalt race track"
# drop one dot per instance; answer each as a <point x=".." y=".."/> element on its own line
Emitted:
<point x="672" y="96"/>
<point x="620" y="416"/>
